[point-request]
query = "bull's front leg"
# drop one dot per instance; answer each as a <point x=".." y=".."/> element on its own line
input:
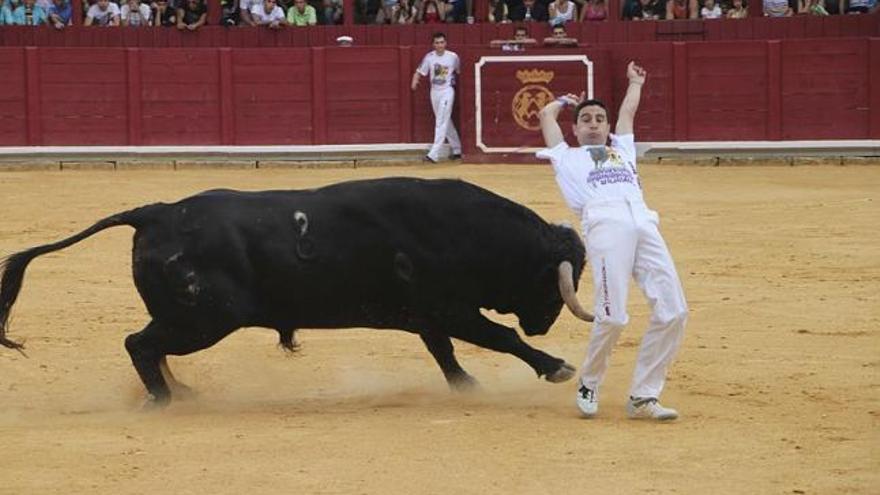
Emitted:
<point x="478" y="330"/>
<point x="444" y="353"/>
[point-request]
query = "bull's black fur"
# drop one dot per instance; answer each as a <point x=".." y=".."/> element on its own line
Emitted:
<point x="418" y="255"/>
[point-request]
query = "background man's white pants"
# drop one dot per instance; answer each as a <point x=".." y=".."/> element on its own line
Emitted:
<point x="441" y="101"/>
<point x="623" y="241"/>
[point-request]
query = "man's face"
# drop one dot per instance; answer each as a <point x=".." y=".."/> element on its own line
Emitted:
<point x="103" y="4"/>
<point x="592" y="126"/>
<point x="439" y="45"/>
<point x="520" y="34"/>
<point x="529" y="3"/>
<point x="268" y="5"/>
<point x="558" y="32"/>
<point x="300" y="5"/>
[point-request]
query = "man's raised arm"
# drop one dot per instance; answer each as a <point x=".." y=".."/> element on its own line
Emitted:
<point x="627" y="114"/>
<point x="548" y="115"/>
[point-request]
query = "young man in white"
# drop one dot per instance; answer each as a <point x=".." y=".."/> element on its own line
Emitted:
<point x="102" y="13"/>
<point x="268" y="14"/>
<point x="601" y="184"/>
<point x="442" y="65"/>
<point x="135" y="14"/>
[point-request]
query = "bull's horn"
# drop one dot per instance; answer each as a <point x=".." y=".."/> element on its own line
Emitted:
<point x="566" y="290"/>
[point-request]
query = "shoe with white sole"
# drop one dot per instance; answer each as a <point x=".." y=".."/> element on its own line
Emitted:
<point x="587" y="401"/>
<point x="649" y="408"/>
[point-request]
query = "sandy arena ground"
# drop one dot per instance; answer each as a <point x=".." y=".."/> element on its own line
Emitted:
<point x="778" y="379"/>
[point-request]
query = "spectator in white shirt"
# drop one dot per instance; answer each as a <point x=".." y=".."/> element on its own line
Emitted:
<point x="102" y="13"/>
<point x="245" y="7"/>
<point x="268" y="14"/>
<point x="134" y="14"/>
<point x="710" y="10"/>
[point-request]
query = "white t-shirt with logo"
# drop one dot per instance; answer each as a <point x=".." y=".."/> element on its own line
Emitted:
<point x="582" y="180"/>
<point x="441" y="68"/>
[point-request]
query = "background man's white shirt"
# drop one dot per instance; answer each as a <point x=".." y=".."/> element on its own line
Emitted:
<point x="441" y="69"/>
<point x="261" y="17"/>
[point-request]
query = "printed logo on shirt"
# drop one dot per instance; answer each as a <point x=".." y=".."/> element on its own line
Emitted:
<point x="612" y="170"/>
<point x="441" y="73"/>
<point x="613" y="159"/>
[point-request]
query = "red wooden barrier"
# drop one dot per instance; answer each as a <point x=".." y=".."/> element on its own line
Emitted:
<point x="33" y="115"/>
<point x="825" y="89"/>
<point x="874" y="87"/>
<point x="774" y="90"/>
<point x="14" y="127"/>
<point x="746" y="90"/>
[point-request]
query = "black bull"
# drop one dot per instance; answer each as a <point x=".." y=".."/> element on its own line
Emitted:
<point x="418" y="255"/>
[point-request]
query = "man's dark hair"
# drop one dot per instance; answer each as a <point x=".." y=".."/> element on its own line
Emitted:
<point x="437" y="36"/>
<point x="521" y="29"/>
<point x="588" y="103"/>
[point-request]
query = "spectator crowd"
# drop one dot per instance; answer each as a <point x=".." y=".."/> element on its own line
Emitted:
<point x="275" y="14"/>
<point x="738" y="9"/>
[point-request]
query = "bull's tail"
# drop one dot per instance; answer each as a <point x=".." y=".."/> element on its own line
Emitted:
<point x="13" y="267"/>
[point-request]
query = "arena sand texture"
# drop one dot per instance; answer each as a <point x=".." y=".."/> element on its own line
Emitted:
<point x="778" y="379"/>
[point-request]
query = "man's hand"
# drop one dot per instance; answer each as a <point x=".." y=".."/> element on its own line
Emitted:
<point x="550" y="129"/>
<point x="570" y="99"/>
<point x="636" y="73"/>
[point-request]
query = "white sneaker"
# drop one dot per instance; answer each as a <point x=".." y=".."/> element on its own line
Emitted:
<point x="649" y="408"/>
<point x="587" y="401"/>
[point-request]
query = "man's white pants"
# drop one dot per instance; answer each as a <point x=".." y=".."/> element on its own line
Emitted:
<point x="623" y="241"/>
<point x="441" y="101"/>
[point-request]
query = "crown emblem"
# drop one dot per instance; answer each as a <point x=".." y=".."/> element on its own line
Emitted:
<point x="535" y="76"/>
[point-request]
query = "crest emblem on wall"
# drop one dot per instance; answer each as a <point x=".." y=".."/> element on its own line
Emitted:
<point x="532" y="97"/>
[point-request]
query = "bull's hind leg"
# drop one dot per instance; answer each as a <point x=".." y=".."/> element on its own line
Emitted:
<point x="149" y="347"/>
<point x="476" y="329"/>
<point x="287" y="339"/>
<point x="441" y="348"/>
<point x="146" y="359"/>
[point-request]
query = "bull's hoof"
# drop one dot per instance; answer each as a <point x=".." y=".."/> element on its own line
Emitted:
<point x="564" y="373"/>
<point x="463" y="383"/>
<point x="288" y="341"/>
